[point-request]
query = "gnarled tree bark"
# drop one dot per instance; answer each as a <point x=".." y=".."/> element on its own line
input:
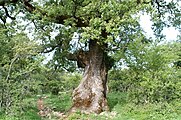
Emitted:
<point x="90" y="95"/>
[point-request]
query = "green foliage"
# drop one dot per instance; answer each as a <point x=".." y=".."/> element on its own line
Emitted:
<point x="161" y="111"/>
<point x="22" y="74"/>
<point x="154" y="78"/>
<point x="18" y="60"/>
<point x="150" y="76"/>
<point x="119" y="80"/>
<point x="117" y="18"/>
<point x="56" y="82"/>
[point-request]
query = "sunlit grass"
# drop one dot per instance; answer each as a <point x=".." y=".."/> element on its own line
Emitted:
<point x="121" y="109"/>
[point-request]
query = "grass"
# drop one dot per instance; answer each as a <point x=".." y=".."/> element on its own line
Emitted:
<point x="121" y="109"/>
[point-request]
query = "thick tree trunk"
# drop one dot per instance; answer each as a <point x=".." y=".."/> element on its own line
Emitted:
<point x="90" y="95"/>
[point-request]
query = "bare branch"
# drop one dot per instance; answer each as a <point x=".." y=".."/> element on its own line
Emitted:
<point x="10" y="67"/>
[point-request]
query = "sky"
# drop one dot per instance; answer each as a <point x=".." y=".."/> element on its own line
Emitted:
<point x="171" y="33"/>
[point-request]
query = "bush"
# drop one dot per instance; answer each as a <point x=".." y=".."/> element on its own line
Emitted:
<point x="58" y="81"/>
<point x="150" y="76"/>
<point x="119" y="80"/>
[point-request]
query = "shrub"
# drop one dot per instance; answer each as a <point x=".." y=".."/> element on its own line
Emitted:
<point x="150" y="76"/>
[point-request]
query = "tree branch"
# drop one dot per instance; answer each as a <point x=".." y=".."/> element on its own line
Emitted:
<point x="10" y="67"/>
<point x="7" y="14"/>
<point x="82" y="58"/>
<point x="3" y="20"/>
<point x="28" y="6"/>
<point x="60" y="19"/>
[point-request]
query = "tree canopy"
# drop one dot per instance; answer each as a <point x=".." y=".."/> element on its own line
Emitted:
<point x="114" y="22"/>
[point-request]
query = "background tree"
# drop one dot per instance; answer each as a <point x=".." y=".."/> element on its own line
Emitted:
<point x="154" y="77"/>
<point x="103" y="28"/>
<point x="19" y="59"/>
<point x="150" y="75"/>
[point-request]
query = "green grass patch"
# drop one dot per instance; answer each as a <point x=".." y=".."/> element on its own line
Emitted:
<point x="121" y="109"/>
<point x="156" y="111"/>
<point x="60" y="103"/>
